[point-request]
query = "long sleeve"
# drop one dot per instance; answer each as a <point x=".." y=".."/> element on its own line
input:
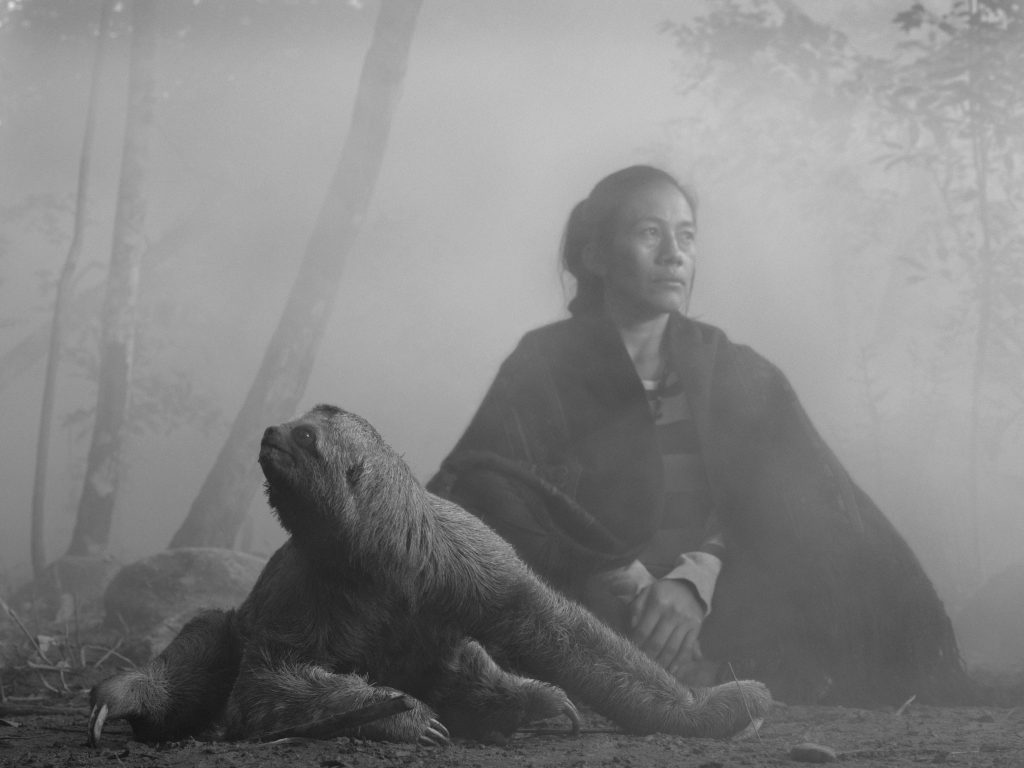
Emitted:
<point x="701" y="567"/>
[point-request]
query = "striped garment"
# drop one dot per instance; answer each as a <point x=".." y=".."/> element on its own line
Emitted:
<point x="689" y="523"/>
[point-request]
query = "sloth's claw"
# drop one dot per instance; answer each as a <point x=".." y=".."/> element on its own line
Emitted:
<point x="436" y="735"/>
<point x="97" y="718"/>
<point x="570" y="711"/>
<point x="441" y="727"/>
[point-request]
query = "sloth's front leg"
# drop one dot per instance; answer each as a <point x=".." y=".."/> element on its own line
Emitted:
<point x="181" y="692"/>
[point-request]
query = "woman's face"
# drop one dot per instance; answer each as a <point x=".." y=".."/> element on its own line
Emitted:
<point x="648" y="265"/>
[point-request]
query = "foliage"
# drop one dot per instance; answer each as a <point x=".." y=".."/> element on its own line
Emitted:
<point x="770" y="70"/>
<point x="954" y="107"/>
<point x="760" y="41"/>
<point x="909" y="161"/>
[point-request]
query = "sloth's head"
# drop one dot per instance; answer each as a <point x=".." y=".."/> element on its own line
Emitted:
<point x="326" y="473"/>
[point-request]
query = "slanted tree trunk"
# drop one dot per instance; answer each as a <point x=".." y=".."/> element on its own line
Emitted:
<point x="220" y="507"/>
<point x="117" y="335"/>
<point x="60" y="307"/>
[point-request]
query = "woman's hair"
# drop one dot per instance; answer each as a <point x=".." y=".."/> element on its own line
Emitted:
<point x="592" y="221"/>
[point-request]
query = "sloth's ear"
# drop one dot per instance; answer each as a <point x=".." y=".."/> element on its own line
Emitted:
<point x="353" y="473"/>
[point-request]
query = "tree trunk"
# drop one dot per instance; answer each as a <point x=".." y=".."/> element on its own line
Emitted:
<point x="60" y="307"/>
<point x="20" y="358"/>
<point x="983" y="293"/>
<point x="117" y="335"/>
<point x="220" y="507"/>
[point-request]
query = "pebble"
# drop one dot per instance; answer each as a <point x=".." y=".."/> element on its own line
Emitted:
<point x="812" y="753"/>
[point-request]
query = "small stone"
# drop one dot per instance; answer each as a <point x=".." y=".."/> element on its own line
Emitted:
<point x="812" y="753"/>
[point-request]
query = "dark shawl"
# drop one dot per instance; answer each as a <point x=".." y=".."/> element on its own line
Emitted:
<point x="819" y="595"/>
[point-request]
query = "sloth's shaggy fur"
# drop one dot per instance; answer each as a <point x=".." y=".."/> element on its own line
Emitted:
<point x="385" y="588"/>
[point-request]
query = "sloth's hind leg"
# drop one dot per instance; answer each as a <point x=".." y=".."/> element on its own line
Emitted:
<point x="272" y="697"/>
<point x="477" y="699"/>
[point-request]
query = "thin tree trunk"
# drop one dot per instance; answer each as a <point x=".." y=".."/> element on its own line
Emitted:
<point x="60" y="306"/>
<point x="979" y="159"/>
<point x="17" y="360"/>
<point x="117" y="338"/>
<point x="222" y="502"/>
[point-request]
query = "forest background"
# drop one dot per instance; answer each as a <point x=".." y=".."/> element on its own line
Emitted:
<point x="860" y="167"/>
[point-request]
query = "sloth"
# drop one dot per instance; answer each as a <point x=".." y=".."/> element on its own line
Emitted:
<point x="382" y="590"/>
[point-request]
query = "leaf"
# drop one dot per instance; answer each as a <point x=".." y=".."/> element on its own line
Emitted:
<point x="911" y="18"/>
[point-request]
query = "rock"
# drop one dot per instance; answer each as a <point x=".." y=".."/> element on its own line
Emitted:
<point x="155" y="597"/>
<point x="812" y="753"/>
<point x="71" y="587"/>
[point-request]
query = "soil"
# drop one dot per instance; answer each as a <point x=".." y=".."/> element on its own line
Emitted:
<point x="45" y="679"/>
<point x="51" y="734"/>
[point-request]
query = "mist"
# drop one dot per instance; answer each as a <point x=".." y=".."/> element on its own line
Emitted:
<point x="510" y="112"/>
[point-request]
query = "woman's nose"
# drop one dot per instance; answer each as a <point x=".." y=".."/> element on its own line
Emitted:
<point x="671" y="251"/>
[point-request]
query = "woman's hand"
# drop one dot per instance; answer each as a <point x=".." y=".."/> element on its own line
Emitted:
<point x="608" y="594"/>
<point x="665" y="620"/>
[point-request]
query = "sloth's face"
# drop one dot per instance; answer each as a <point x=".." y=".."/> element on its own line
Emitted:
<point x="313" y="468"/>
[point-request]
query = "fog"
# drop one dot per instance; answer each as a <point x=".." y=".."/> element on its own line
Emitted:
<point x="510" y="112"/>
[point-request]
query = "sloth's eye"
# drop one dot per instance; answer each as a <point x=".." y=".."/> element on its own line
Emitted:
<point x="304" y="436"/>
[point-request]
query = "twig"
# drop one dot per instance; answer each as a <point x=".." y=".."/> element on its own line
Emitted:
<point x="750" y="717"/>
<point x="275" y="743"/>
<point x="109" y="652"/>
<point x="14" y="711"/>
<point x="328" y="727"/>
<point x="46" y="684"/>
<point x="60" y="668"/>
<point x="565" y="732"/>
<point x="10" y="612"/>
<point x="905" y="704"/>
<point x="64" y="681"/>
<point x="78" y="625"/>
<point x="124" y="624"/>
<point x="67" y="645"/>
<point x="47" y="667"/>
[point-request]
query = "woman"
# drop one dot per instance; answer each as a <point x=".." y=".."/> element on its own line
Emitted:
<point x="670" y="480"/>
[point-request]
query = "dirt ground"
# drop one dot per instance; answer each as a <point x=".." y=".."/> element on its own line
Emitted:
<point x="51" y="734"/>
<point x="45" y="679"/>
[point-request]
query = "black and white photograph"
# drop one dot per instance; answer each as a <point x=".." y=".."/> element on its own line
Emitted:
<point x="484" y="383"/>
